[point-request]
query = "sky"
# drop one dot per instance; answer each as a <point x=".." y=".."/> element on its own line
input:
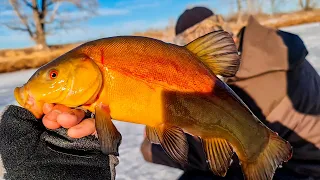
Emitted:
<point x="119" y="17"/>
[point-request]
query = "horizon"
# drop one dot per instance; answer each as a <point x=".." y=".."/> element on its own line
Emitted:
<point x="123" y="17"/>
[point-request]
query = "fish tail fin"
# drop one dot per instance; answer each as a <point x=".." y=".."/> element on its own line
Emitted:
<point x="218" y="51"/>
<point x="276" y="152"/>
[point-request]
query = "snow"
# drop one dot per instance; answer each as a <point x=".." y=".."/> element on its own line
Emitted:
<point x="310" y="34"/>
<point x="8" y="81"/>
<point x="132" y="164"/>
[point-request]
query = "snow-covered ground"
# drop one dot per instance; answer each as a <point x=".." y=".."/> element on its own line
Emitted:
<point x="132" y="165"/>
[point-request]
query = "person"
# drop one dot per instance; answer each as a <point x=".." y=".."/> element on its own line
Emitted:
<point x="29" y="150"/>
<point x="276" y="82"/>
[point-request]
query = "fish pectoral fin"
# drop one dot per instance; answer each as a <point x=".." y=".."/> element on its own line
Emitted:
<point x="174" y="142"/>
<point x="219" y="155"/>
<point x="218" y="51"/>
<point x="151" y="133"/>
<point x="109" y="136"/>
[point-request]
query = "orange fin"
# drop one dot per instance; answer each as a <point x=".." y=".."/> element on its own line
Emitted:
<point x="218" y="52"/>
<point x="174" y="142"/>
<point x="276" y="152"/>
<point x="151" y="134"/>
<point x="109" y="136"/>
<point x="219" y="154"/>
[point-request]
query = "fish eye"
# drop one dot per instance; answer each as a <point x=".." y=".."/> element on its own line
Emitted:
<point x="53" y="74"/>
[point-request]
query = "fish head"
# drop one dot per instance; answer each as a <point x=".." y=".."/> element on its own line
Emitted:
<point x="71" y="80"/>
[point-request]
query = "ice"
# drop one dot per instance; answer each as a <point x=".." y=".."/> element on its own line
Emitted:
<point x="132" y="164"/>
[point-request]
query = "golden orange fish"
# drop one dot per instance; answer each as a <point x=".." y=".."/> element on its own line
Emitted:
<point x="171" y="89"/>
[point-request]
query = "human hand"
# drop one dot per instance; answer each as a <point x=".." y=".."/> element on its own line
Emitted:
<point x="23" y="134"/>
<point x="56" y="116"/>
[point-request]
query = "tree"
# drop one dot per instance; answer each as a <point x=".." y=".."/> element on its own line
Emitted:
<point x="239" y="7"/>
<point x="306" y="4"/>
<point x="250" y="4"/>
<point x="38" y="18"/>
<point x="273" y="6"/>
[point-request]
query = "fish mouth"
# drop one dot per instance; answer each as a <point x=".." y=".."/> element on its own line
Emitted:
<point x="28" y="102"/>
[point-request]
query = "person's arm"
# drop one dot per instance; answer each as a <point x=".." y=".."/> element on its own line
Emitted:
<point x="30" y="151"/>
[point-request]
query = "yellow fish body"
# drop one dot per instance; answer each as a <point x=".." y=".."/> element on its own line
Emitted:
<point x="171" y="89"/>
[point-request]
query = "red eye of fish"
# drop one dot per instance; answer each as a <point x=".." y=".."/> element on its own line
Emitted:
<point x="53" y="74"/>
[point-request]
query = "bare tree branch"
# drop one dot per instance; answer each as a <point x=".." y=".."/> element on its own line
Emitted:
<point x="53" y="13"/>
<point x="15" y="28"/>
<point x="41" y="17"/>
<point x="301" y="3"/>
<point x="28" y="4"/>
<point x="239" y="5"/>
<point x="306" y="4"/>
<point x="23" y="19"/>
<point x="49" y="3"/>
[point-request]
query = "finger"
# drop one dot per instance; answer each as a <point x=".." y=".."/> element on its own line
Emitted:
<point x="70" y="118"/>
<point x="47" y="108"/>
<point x="144" y="133"/>
<point x="61" y="108"/>
<point x="145" y="149"/>
<point x="84" y="128"/>
<point x="50" y="120"/>
<point x="95" y="133"/>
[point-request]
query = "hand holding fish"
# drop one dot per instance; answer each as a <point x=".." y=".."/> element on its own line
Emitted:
<point x="56" y="116"/>
<point x="28" y="151"/>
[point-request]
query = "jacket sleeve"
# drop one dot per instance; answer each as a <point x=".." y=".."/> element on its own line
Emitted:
<point x="29" y="151"/>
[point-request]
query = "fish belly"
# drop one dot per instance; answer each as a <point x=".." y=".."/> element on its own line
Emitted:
<point x="209" y="116"/>
<point x="131" y="100"/>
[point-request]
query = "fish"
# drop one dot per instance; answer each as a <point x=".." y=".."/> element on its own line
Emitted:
<point x="171" y="89"/>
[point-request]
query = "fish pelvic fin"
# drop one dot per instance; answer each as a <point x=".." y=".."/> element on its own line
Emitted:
<point x="174" y="142"/>
<point x="219" y="155"/>
<point x="151" y="133"/>
<point x="108" y="135"/>
<point x="218" y="51"/>
<point x="276" y="152"/>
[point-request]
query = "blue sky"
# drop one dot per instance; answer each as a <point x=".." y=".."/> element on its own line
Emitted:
<point x="121" y="17"/>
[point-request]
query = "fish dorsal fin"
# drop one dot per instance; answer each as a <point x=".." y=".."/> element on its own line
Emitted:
<point x="218" y="52"/>
<point x="151" y="134"/>
<point x="219" y="154"/>
<point x="174" y="142"/>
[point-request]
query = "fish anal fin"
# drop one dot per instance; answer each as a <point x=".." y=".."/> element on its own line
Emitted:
<point x="151" y="133"/>
<point x="108" y="135"/>
<point x="218" y="51"/>
<point x="276" y="152"/>
<point x="174" y="142"/>
<point x="219" y="155"/>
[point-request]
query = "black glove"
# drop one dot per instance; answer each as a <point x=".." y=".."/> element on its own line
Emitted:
<point x="30" y="151"/>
